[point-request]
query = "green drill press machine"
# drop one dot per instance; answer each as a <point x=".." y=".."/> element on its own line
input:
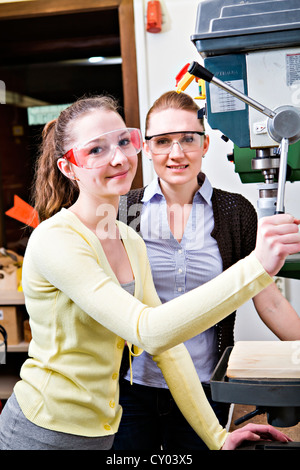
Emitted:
<point x="251" y="53"/>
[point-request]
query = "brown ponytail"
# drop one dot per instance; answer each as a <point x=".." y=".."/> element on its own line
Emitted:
<point x="51" y="189"/>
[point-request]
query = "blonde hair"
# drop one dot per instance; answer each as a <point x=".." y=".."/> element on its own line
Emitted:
<point x="173" y="100"/>
<point x="51" y="189"/>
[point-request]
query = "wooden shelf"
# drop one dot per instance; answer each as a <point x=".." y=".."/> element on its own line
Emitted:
<point x="11" y="297"/>
<point x="21" y="347"/>
<point x="9" y="373"/>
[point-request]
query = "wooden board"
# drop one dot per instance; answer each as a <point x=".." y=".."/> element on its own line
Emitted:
<point x="269" y="359"/>
<point x="11" y="297"/>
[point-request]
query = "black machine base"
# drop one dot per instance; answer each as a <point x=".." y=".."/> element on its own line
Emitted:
<point x="279" y="399"/>
<point x="267" y="445"/>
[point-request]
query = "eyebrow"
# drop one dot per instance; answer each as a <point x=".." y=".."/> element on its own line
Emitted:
<point x="97" y="137"/>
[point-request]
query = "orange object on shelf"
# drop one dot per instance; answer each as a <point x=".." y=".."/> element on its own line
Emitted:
<point x="23" y="212"/>
<point x="154" y="17"/>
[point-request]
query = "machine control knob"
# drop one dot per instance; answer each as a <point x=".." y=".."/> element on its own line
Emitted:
<point x="285" y="124"/>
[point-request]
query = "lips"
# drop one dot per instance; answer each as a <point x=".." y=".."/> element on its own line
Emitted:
<point x="177" y="167"/>
<point x="121" y="174"/>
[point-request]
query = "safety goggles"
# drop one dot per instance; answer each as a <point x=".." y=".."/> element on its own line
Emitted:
<point x="188" y="141"/>
<point x="100" y="150"/>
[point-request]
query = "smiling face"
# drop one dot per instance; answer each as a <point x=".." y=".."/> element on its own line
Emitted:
<point x="178" y="167"/>
<point x="116" y="176"/>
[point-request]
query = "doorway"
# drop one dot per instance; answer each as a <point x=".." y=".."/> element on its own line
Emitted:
<point x="52" y="53"/>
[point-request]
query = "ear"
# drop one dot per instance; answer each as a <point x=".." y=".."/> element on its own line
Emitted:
<point x="147" y="150"/>
<point x="65" y="167"/>
<point x="205" y="144"/>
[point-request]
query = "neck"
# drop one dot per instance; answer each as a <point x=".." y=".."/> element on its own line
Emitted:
<point x="98" y="214"/>
<point x="179" y="193"/>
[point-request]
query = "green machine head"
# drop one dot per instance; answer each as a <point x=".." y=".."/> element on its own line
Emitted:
<point x="251" y="50"/>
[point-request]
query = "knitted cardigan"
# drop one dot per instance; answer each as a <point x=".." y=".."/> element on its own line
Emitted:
<point x="234" y="230"/>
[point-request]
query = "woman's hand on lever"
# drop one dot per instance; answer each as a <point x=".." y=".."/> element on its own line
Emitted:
<point x="254" y="432"/>
<point x="277" y="237"/>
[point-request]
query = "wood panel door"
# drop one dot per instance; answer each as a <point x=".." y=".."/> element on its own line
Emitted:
<point x="12" y="48"/>
<point x="40" y="8"/>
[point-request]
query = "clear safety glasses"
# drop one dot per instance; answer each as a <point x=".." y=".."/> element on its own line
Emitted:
<point x="188" y="141"/>
<point x="100" y="150"/>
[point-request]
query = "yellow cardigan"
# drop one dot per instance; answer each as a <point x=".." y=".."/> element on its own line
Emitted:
<point x="80" y="319"/>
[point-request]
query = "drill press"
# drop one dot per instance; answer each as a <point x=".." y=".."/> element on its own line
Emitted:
<point x="251" y="50"/>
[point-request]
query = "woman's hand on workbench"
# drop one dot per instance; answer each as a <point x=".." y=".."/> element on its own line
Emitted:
<point x="277" y="237"/>
<point x="254" y="432"/>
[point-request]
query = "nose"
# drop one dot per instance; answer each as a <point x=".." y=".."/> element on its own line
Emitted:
<point x="176" y="149"/>
<point x="118" y="157"/>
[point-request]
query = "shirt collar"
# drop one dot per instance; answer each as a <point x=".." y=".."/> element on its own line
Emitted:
<point x="206" y="190"/>
<point x="153" y="189"/>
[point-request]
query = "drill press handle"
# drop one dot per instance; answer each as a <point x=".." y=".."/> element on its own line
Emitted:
<point x="283" y="124"/>
<point x="201" y="72"/>
<point x="284" y="148"/>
